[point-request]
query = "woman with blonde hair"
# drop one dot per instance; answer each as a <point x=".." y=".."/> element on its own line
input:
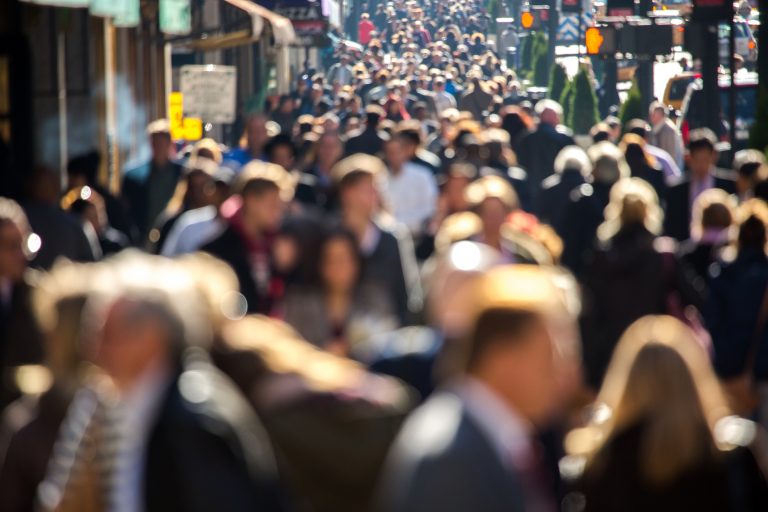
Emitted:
<point x="631" y="273"/>
<point x="661" y="437"/>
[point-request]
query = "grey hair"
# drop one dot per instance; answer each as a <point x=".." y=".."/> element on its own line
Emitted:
<point x="548" y="104"/>
<point x="573" y="158"/>
<point x="608" y="163"/>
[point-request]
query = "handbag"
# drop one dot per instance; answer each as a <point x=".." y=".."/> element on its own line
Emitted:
<point x="741" y="391"/>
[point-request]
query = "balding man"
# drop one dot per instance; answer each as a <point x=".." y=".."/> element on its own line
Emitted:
<point x="471" y="446"/>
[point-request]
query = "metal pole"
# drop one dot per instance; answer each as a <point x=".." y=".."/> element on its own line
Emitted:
<point x="578" y="39"/>
<point x="732" y="89"/>
<point x="61" y="75"/>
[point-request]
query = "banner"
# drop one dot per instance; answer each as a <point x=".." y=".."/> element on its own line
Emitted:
<point x="130" y="16"/>
<point x="108" y="8"/>
<point x="175" y="17"/>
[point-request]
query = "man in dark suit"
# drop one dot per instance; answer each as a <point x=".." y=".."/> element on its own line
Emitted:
<point x="20" y="338"/>
<point x="368" y="139"/>
<point x="572" y="165"/>
<point x="164" y="430"/>
<point x="147" y="188"/>
<point x="248" y="240"/>
<point x="472" y="446"/>
<point x="702" y="175"/>
<point x="539" y="148"/>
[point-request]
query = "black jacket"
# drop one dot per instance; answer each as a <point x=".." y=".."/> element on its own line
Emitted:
<point x="230" y="248"/>
<point x="730" y="482"/>
<point x="678" y="215"/>
<point x="537" y="154"/>
<point x="556" y="191"/>
<point x="208" y="450"/>
<point x="368" y="141"/>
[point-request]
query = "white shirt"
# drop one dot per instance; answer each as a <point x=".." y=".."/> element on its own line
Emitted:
<point x="509" y="434"/>
<point x="411" y="196"/>
<point x="137" y="409"/>
<point x="192" y="230"/>
<point x="443" y="101"/>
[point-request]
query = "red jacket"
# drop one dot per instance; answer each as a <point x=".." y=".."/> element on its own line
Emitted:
<point x="364" y="32"/>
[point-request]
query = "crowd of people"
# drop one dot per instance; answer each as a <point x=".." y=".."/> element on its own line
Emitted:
<point x="406" y="288"/>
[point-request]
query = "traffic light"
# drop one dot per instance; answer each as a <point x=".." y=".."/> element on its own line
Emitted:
<point x="600" y="40"/>
<point x="527" y="20"/>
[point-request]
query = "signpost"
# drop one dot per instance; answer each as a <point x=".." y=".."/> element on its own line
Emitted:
<point x="175" y="17"/>
<point x="309" y="22"/>
<point x="209" y="92"/>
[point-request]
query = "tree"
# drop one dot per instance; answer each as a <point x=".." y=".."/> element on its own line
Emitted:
<point x="540" y="71"/>
<point x="632" y="108"/>
<point x="584" y="114"/>
<point x="494" y="9"/>
<point x="565" y="101"/>
<point x="758" y="135"/>
<point x="558" y="79"/>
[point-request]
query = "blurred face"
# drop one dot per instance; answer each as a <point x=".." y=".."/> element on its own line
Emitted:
<point x="200" y="190"/>
<point x="361" y="197"/>
<point x="656" y="117"/>
<point x="339" y="268"/>
<point x="257" y="133"/>
<point x="395" y="153"/>
<point x="525" y="373"/>
<point x="329" y="150"/>
<point x="13" y="261"/>
<point x="701" y="161"/>
<point x="129" y="343"/>
<point x="265" y="209"/>
<point x="161" y="146"/>
<point x="453" y="190"/>
<point x="493" y="213"/>
<point x="283" y="156"/>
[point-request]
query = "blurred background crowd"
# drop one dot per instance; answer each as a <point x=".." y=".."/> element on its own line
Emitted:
<point x="410" y="287"/>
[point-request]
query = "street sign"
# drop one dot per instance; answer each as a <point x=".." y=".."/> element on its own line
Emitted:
<point x="620" y="8"/>
<point x="309" y="22"/>
<point x="176" y="114"/>
<point x="129" y="16"/>
<point x="209" y="92"/>
<point x="175" y="17"/>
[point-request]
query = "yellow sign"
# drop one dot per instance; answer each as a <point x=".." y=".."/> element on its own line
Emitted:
<point x="193" y="128"/>
<point x="176" y="115"/>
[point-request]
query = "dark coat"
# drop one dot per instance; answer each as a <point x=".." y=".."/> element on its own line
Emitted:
<point x="21" y="341"/>
<point x="455" y="469"/>
<point x="625" y="280"/>
<point x="583" y="213"/>
<point x="556" y="192"/>
<point x="537" y="154"/>
<point x="367" y="140"/>
<point x="135" y="193"/>
<point x="617" y="483"/>
<point x="208" y="451"/>
<point x="230" y="247"/>
<point x="677" y="221"/>
<point x="476" y="101"/>
<point x="654" y="176"/>
<point x="61" y="234"/>
<point x="383" y="269"/>
<point x="736" y="293"/>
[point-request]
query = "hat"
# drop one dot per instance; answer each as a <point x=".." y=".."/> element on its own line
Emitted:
<point x="359" y="162"/>
<point x="159" y="126"/>
<point x="489" y="187"/>
<point x="266" y="171"/>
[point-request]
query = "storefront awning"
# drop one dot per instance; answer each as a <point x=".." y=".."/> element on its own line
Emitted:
<point x="282" y="29"/>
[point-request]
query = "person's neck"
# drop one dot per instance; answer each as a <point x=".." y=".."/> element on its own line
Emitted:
<point x="255" y="152"/>
<point x="396" y="169"/>
<point x="701" y="176"/>
<point x="159" y="162"/>
<point x="338" y="302"/>
<point x="492" y="238"/>
<point x="357" y="223"/>
<point x="251" y="226"/>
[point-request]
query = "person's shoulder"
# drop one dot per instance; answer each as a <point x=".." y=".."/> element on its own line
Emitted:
<point x="724" y="176"/>
<point x="433" y="428"/>
<point x="137" y="172"/>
